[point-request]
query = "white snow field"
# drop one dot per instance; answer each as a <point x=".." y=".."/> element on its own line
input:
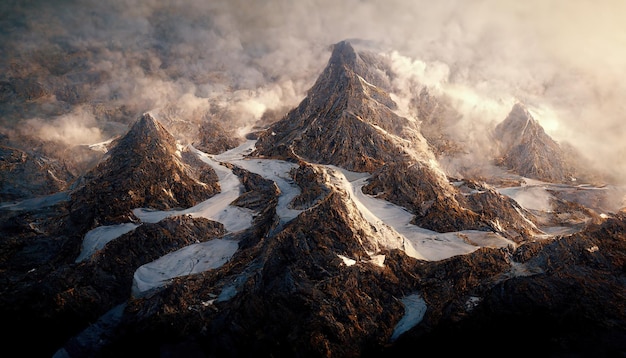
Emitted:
<point x="189" y="260"/>
<point x="414" y="310"/>
<point x="95" y="239"/>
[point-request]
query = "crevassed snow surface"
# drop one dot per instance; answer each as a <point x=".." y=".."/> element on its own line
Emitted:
<point x="189" y="260"/>
<point x="419" y="243"/>
<point x="414" y="310"/>
<point x="95" y="239"/>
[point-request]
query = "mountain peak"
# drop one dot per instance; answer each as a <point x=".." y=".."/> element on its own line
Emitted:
<point x="528" y="150"/>
<point x="343" y="53"/>
<point x="519" y="126"/>
<point x="347" y="118"/>
<point x="147" y="125"/>
<point x="142" y="170"/>
<point x="519" y="110"/>
<point x="147" y="137"/>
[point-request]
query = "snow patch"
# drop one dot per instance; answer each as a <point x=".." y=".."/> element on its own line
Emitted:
<point x="346" y="260"/>
<point x="378" y="260"/>
<point x="530" y="197"/>
<point x="227" y="293"/>
<point x="189" y="260"/>
<point x="36" y="203"/>
<point x="414" y="310"/>
<point x="102" y="146"/>
<point x="97" y="238"/>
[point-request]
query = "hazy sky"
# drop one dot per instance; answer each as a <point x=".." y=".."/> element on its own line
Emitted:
<point x="564" y="58"/>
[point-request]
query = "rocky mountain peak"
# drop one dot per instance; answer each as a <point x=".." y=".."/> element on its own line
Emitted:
<point x="347" y="119"/>
<point x="147" y="134"/>
<point x="362" y="69"/>
<point x="343" y="54"/>
<point x="143" y="169"/>
<point x="526" y="149"/>
<point x="519" y="126"/>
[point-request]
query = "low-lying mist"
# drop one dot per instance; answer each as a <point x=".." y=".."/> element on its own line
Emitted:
<point x="78" y="71"/>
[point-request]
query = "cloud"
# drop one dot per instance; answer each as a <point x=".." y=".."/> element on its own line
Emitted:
<point x="75" y="128"/>
<point x="562" y="57"/>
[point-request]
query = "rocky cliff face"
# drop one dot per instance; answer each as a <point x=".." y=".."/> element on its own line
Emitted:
<point x="347" y="120"/>
<point x="446" y="208"/>
<point x="527" y="150"/>
<point x="144" y="169"/>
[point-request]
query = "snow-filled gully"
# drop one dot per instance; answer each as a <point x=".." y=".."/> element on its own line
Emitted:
<point x="391" y="221"/>
<point x="418" y="242"/>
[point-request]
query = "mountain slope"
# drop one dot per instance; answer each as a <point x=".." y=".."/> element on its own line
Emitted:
<point x="143" y="169"/>
<point x="358" y="245"/>
<point x="527" y="150"/>
<point x="345" y="120"/>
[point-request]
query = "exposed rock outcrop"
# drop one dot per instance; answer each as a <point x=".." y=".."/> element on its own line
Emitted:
<point x="527" y="150"/>
<point x="142" y="170"/>
<point x="346" y="120"/>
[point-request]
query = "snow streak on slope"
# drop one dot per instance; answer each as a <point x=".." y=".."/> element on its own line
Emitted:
<point x="36" y="203"/>
<point x="213" y="254"/>
<point x="95" y="239"/>
<point x="189" y="260"/>
<point x="395" y="220"/>
<point x="216" y="208"/>
<point x="414" y="310"/>
<point x="275" y="170"/>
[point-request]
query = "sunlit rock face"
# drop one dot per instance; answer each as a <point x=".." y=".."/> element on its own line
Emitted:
<point x="344" y="120"/>
<point x="142" y="170"/>
<point x="445" y="208"/>
<point x="527" y="150"/>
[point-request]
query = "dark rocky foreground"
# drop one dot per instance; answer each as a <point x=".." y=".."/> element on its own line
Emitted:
<point x="296" y="298"/>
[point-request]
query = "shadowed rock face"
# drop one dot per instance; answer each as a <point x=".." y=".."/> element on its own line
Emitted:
<point x="528" y="151"/>
<point x="214" y="139"/>
<point x="142" y="170"/>
<point x="23" y="176"/>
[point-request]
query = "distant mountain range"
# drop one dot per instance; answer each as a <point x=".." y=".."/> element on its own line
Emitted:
<point x="332" y="232"/>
